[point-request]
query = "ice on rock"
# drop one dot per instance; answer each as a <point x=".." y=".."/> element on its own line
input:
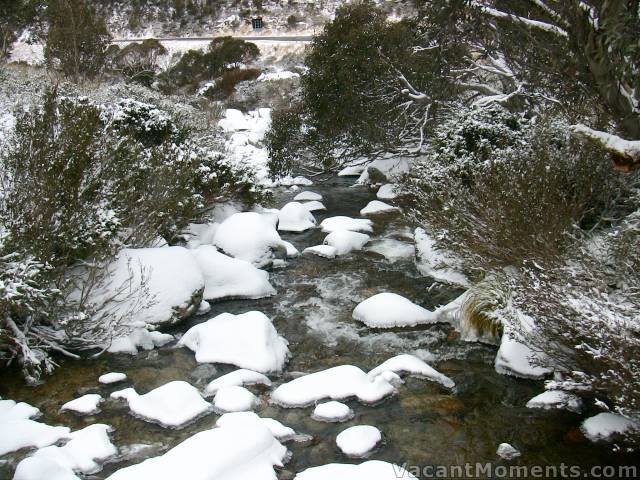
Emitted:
<point x="326" y="251"/>
<point x="236" y="378"/>
<point x="393" y="250"/>
<point x="438" y="264"/>
<point x="412" y="365"/>
<point x="314" y="206"/>
<point x="556" y="399"/>
<point x="387" y="191"/>
<point x="332" y="411"/>
<point x="507" y="452"/>
<point x="248" y="340"/>
<point x="389" y="310"/>
<point x="307" y="196"/>
<point x="249" y="419"/>
<point x="85" y="405"/>
<point x="233" y="398"/>
<point x="292" y="251"/>
<point x="226" y="277"/>
<point x="173" y="404"/>
<point x="249" y="236"/>
<point x="112" y="377"/>
<point x="336" y="383"/>
<point x="371" y="470"/>
<point x="295" y="217"/>
<point x="222" y="453"/>
<point x="333" y="224"/>
<point x="376" y="206"/>
<point x="604" y="425"/>
<point x="140" y="337"/>
<point x="345" y="241"/>
<point x="359" y="440"/>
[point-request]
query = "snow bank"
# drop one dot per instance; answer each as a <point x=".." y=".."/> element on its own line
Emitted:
<point x="389" y="310"/>
<point x="236" y="378"/>
<point x="198" y="234"/>
<point x="414" y="366"/>
<point x="174" y="404"/>
<point x="326" y="251"/>
<point x="556" y="399"/>
<point x="371" y="470"/>
<point x="388" y="191"/>
<point x="507" y="451"/>
<point x="249" y="419"/>
<point x="140" y="337"/>
<point x="307" y="196"/>
<point x="248" y="341"/>
<point x="358" y="441"/>
<point x="375" y="207"/>
<point x="226" y="277"/>
<point x="112" y="377"/>
<point x="332" y="412"/>
<point x="295" y="217"/>
<point x="85" y="405"/>
<point x="392" y="250"/>
<point x="233" y="398"/>
<point x="606" y="424"/>
<point x="333" y="224"/>
<point x="437" y="264"/>
<point x="345" y="241"/>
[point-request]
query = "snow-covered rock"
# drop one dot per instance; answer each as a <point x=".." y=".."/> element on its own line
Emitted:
<point x="507" y="451"/>
<point x="85" y="405"/>
<point x="227" y="277"/>
<point x="336" y="383"/>
<point x="314" y="206"/>
<point x="438" y="264"/>
<point x="325" y="251"/>
<point x="332" y="411"/>
<point x="198" y="234"/>
<point x="375" y="207"/>
<point x="295" y="217"/>
<point x="604" y="425"/>
<point x="351" y="171"/>
<point x="292" y="251"/>
<point x="249" y="236"/>
<point x="388" y="167"/>
<point x="358" y="441"/>
<point x="333" y="224"/>
<point x="345" y="241"/>
<point x="243" y="419"/>
<point x="388" y="191"/>
<point x="412" y="365"/>
<point x="236" y="378"/>
<point x="307" y="196"/>
<point x="112" y="377"/>
<point x="139" y="338"/>
<point x="36" y="468"/>
<point x="290" y="181"/>
<point x="371" y="470"/>
<point x="391" y="249"/>
<point x="233" y="398"/>
<point x="556" y="399"/>
<point x="517" y="359"/>
<point x="248" y="341"/>
<point x="174" y="404"/>
<point x="389" y="310"/>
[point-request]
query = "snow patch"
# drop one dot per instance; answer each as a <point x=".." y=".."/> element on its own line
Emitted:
<point x="85" y="405"/>
<point x="389" y="310"/>
<point x="414" y="366"/>
<point x="371" y="470"/>
<point x="605" y="425"/>
<point x="325" y="251"/>
<point x="556" y="399"/>
<point x="332" y="412"/>
<point x="375" y="207"/>
<point x="112" y="377"/>
<point x="233" y="398"/>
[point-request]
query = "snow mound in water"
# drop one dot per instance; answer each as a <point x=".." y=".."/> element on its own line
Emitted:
<point x="314" y="206"/>
<point x="507" y="452"/>
<point x="234" y="399"/>
<point x="140" y="337"/>
<point x="112" y="377"/>
<point x="392" y="250"/>
<point x="387" y="191"/>
<point x="236" y="378"/>
<point x="336" y="383"/>
<point x="332" y="412"/>
<point x="173" y="404"/>
<point x="307" y="196"/>
<point x="517" y="359"/>
<point x="438" y="264"/>
<point x="326" y="251"/>
<point x="388" y="310"/>
<point x="352" y="171"/>
<point x="333" y="224"/>
<point x="295" y="217"/>
<point x="84" y="405"/>
<point x="606" y="424"/>
<point x="359" y="440"/>
<point x="371" y="470"/>
<point x="414" y="366"/>
<point x="249" y="236"/>
<point x="248" y="419"/>
<point x="248" y="341"/>
<point x="345" y="241"/>
<point x="229" y="452"/>
<point x="376" y="206"/>
<point x="17" y="430"/>
<point x="292" y="251"/>
<point x="226" y="277"/>
<point x="556" y="399"/>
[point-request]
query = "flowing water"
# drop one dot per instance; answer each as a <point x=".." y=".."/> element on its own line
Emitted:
<point x="423" y="425"/>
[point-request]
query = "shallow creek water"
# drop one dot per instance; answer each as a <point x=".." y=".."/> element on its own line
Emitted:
<point x="423" y="425"/>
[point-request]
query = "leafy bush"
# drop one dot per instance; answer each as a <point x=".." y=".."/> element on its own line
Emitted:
<point x="137" y="62"/>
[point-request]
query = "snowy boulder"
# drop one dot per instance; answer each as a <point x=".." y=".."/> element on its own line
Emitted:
<point x="292" y="251"/>
<point x="236" y="378"/>
<point x="174" y="404"/>
<point x="36" y="468"/>
<point x="358" y="441"/>
<point x="387" y="191"/>
<point x="392" y="250"/>
<point x="250" y="236"/>
<point x="345" y="241"/>
<point x="556" y="399"/>
<point x="112" y="377"/>
<point x="139" y="338"/>
<point x="332" y="412"/>
<point x="389" y="310"/>
<point x="234" y="399"/>
<point x="197" y="234"/>
<point x="336" y="383"/>
<point x="411" y="365"/>
<point x="290" y="181"/>
<point x="325" y="251"/>
<point x="375" y="207"/>
<point x="605" y="425"/>
<point x="248" y="341"/>
<point x="435" y="263"/>
<point x="248" y="419"/>
<point x="314" y="206"/>
<point x="234" y="121"/>
<point x="85" y="405"/>
<point x="333" y="224"/>
<point x="351" y="171"/>
<point x="295" y="217"/>
<point x="383" y="170"/>
<point x="307" y="196"/>
<point x="517" y="359"/>
<point x="226" y="277"/>
<point x="507" y="452"/>
<point x="371" y="470"/>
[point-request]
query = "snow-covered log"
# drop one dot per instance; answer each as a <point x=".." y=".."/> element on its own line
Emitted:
<point x="625" y="153"/>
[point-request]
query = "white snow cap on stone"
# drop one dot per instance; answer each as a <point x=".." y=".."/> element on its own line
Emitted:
<point x="507" y="452"/>
<point x="295" y="217"/>
<point x="351" y="171"/>
<point x="393" y="250"/>
<point x="234" y="399"/>
<point x="227" y="277"/>
<point x="173" y="404"/>
<point x="371" y="470"/>
<point x="345" y="241"/>
<point x="140" y="337"/>
<point x="359" y="440"/>
<point x="387" y="192"/>
<point x="292" y="251"/>
<point x="248" y="340"/>
<point x="336" y="383"/>
<point x="244" y="419"/>
<point x="112" y="377"/>
<point x="307" y="196"/>
<point x="332" y="224"/>
<point x="552" y="399"/>
<point x="388" y="310"/>
<point x="314" y="206"/>
<point x="37" y="468"/>
<point x="376" y="206"/>
<point x="85" y="405"/>
<point x="412" y="365"/>
<point x="326" y="251"/>
<point x="332" y="411"/>
<point x="289" y="181"/>
<point x="236" y="378"/>
<point x="515" y="358"/>
<point x="389" y="167"/>
<point x="604" y="425"/>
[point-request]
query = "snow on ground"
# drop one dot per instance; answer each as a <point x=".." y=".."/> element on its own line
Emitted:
<point x="389" y="167"/>
<point x="556" y="399"/>
<point x="282" y="75"/>
<point x="174" y="404"/>
<point x="314" y="206"/>
<point x="248" y="419"/>
<point x="388" y="191"/>
<point x="225" y="453"/>
<point x="358" y="441"/>
<point x="307" y="196"/>
<point x="236" y="378"/>
<point x="507" y="451"/>
<point x="332" y="411"/>
<point x="17" y="430"/>
<point x="336" y="383"/>
<point x="233" y="398"/>
<point x="326" y="251"/>
<point x="604" y="425"/>
<point x="389" y="310"/>
<point x="345" y="241"/>
<point x="250" y="236"/>
<point x="26" y="51"/>
<point x="414" y="366"/>
<point x="371" y="470"/>
<point x="295" y="217"/>
<point x="391" y="249"/>
<point x="112" y="377"/>
<point x="375" y="207"/>
<point x="227" y="277"/>
<point x="140" y="337"/>
<point x="248" y="340"/>
<point x="85" y="405"/>
<point x="438" y="264"/>
<point x="332" y="224"/>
